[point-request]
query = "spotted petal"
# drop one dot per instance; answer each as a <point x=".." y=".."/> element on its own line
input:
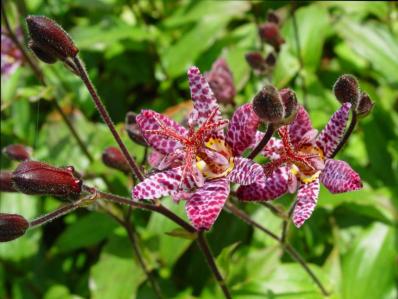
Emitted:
<point x="307" y="197"/>
<point x="158" y="185"/>
<point x="334" y="130"/>
<point x="245" y="172"/>
<point x="242" y="129"/>
<point x="273" y="147"/>
<point x="268" y="188"/>
<point x="204" y="101"/>
<point x="148" y="121"/>
<point x="300" y="126"/>
<point x="339" y="177"/>
<point x="206" y="203"/>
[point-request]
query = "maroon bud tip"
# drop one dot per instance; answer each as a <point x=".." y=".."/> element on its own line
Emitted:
<point x="365" y="105"/>
<point x="269" y="33"/>
<point x="272" y="17"/>
<point x="113" y="158"/>
<point x="33" y="177"/>
<point x="48" y="40"/>
<point x="256" y="61"/>
<point x="6" y="184"/>
<point x="12" y="226"/>
<point x="346" y="89"/>
<point x="133" y="130"/>
<point x="270" y="60"/>
<point x="17" y="152"/>
<point x="268" y="106"/>
<point x="290" y="104"/>
<point x="221" y="82"/>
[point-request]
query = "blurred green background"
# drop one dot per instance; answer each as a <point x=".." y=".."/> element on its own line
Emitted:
<point x="137" y="53"/>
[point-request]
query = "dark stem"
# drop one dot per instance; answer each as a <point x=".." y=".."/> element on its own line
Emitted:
<point x="53" y="215"/>
<point x="299" y="54"/>
<point x="107" y="119"/>
<point x="285" y="246"/>
<point x="285" y="224"/>
<point x="347" y="134"/>
<point x="263" y="142"/>
<point x="204" y="247"/>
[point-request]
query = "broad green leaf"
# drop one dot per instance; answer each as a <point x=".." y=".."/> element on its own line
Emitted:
<point x="369" y="267"/>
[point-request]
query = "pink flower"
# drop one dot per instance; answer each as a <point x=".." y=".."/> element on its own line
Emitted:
<point x="300" y="160"/>
<point x="199" y="162"/>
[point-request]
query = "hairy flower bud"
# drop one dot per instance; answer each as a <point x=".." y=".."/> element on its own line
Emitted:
<point x="269" y="33"/>
<point x="268" y="105"/>
<point x="365" y="105"/>
<point x="12" y="226"/>
<point x="6" y="184"/>
<point x="256" y="61"/>
<point x="113" y="158"/>
<point x="33" y="177"/>
<point x="48" y="40"/>
<point x="221" y="82"/>
<point x="290" y="104"/>
<point x="17" y="152"/>
<point x="133" y="130"/>
<point x="346" y="89"/>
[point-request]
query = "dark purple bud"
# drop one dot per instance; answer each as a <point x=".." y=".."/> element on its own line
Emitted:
<point x="270" y="60"/>
<point x="272" y="17"/>
<point x="269" y="33"/>
<point x="290" y="104"/>
<point x="17" y="152"/>
<point x="113" y="158"/>
<point x="48" y="40"/>
<point x="256" y="61"/>
<point x="133" y="130"/>
<point x="346" y="89"/>
<point x="33" y="177"/>
<point x="6" y="184"/>
<point x="365" y="105"/>
<point x="222" y="82"/>
<point x="12" y="226"/>
<point x="268" y="105"/>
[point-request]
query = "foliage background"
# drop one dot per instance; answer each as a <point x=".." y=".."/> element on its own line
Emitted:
<point x="137" y="54"/>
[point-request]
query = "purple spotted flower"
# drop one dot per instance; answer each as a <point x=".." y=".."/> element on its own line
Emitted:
<point x="300" y="160"/>
<point x="199" y="163"/>
<point x="11" y="56"/>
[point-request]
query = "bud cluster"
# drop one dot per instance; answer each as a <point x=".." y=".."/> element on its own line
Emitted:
<point x="346" y="89"/>
<point x="275" y="107"/>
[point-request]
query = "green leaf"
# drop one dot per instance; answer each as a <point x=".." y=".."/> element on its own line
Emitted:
<point x="86" y="231"/>
<point x="182" y="233"/>
<point x="368" y="267"/>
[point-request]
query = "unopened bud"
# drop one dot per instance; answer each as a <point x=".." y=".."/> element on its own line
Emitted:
<point x="272" y="17"/>
<point x="268" y="105"/>
<point x="113" y="158"/>
<point x="256" y="61"/>
<point x="221" y="82"/>
<point x="346" y="89"/>
<point x="33" y="177"/>
<point x="6" y="184"/>
<point x="269" y="33"/>
<point x="270" y="60"/>
<point x="365" y="105"/>
<point x="133" y="129"/>
<point x="17" y="152"/>
<point x="48" y="40"/>
<point x="12" y="226"/>
<point x="290" y="104"/>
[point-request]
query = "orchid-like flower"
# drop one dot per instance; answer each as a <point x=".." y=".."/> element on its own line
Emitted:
<point x="301" y="160"/>
<point x="199" y="162"/>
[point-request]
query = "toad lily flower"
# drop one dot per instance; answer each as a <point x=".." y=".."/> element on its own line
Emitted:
<point x="301" y="160"/>
<point x="201" y="161"/>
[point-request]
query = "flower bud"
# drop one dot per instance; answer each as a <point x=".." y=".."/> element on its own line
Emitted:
<point x="272" y="17"/>
<point x="33" y="177"/>
<point x="221" y="82"/>
<point x="346" y="89"/>
<point x="48" y="40"/>
<point x="12" y="226"/>
<point x="17" y="152"/>
<point x="290" y="104"/>
<point x="113" y="158"/>
<point x="268" y="105"/>
<point x="6" y="184"/>
<point x="256" y="61"/>
<point x="133" y="130"/>
<point x="365" y="105"/>
<point x="270" y="60"/>
<point x="269" y="33"/>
